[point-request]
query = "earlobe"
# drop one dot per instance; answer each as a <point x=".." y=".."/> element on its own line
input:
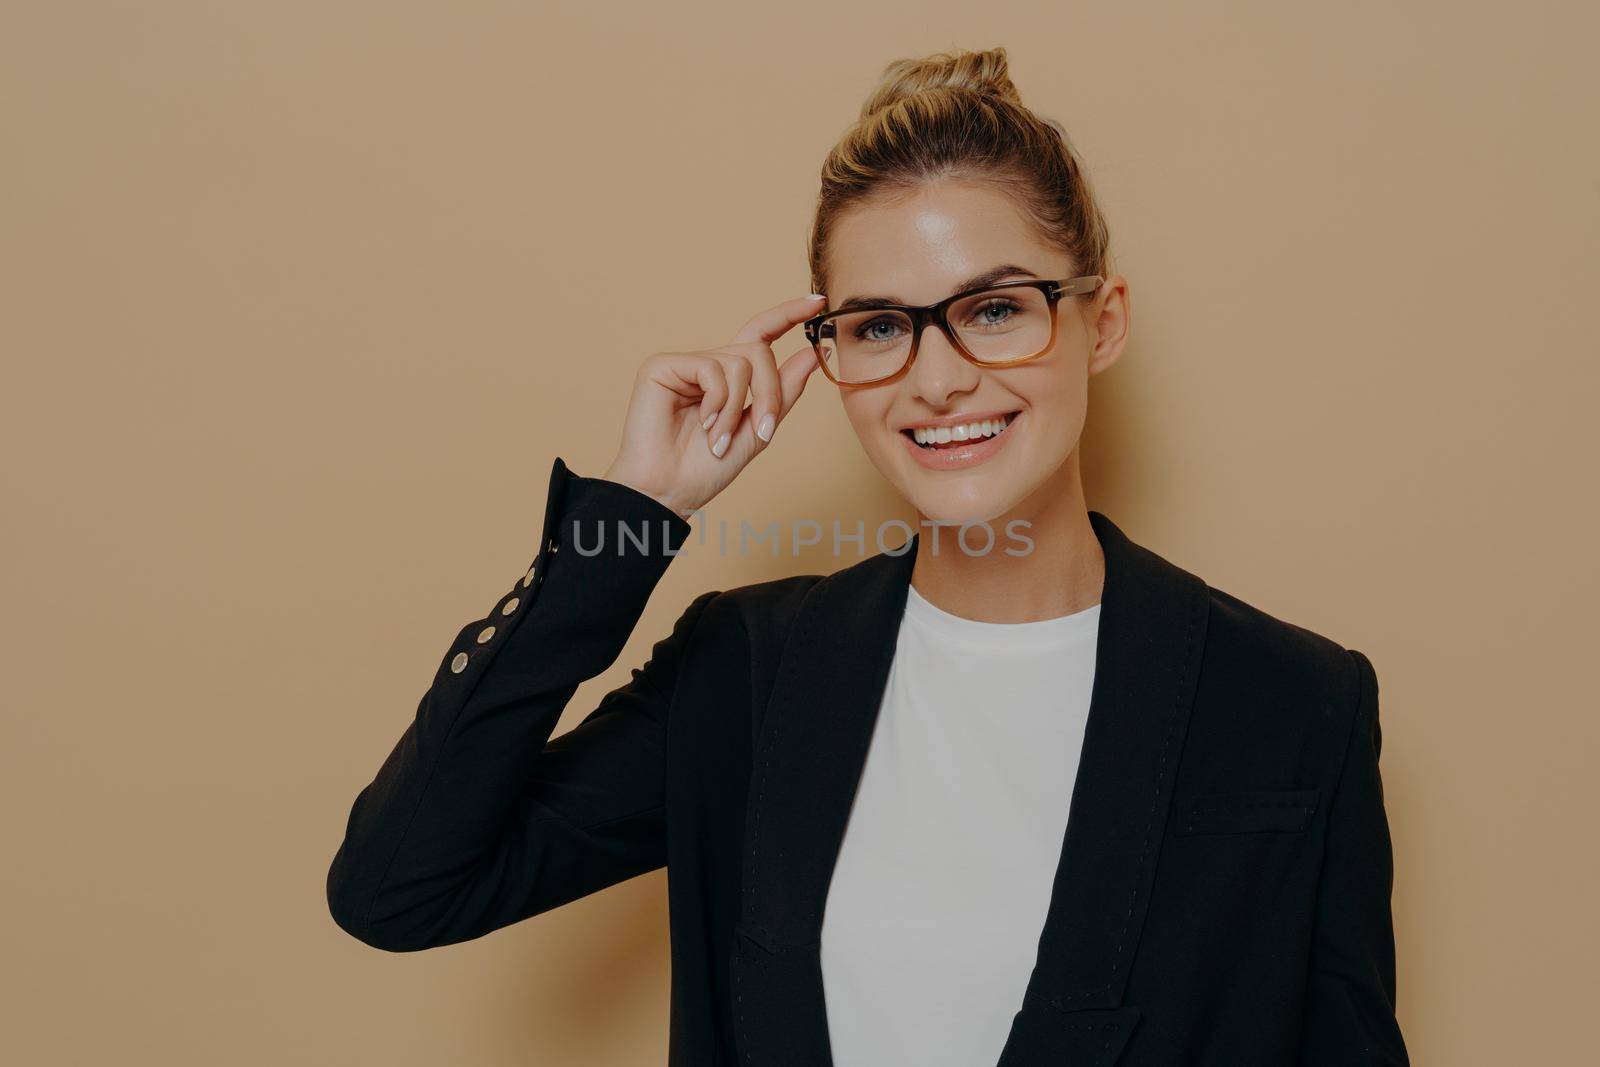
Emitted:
<point x="1103" y="357"/>
<point x="1107" y="350"/>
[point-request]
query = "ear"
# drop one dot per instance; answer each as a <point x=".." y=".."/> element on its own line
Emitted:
<point x="1107" y="319"/>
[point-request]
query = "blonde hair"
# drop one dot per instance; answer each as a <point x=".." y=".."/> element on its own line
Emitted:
<point x="956" y="116"/>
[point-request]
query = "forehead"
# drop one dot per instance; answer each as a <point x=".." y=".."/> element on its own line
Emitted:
<point x="919" y="246"/>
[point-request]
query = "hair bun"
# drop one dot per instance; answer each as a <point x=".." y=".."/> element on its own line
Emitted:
<point x="985" y="73"/>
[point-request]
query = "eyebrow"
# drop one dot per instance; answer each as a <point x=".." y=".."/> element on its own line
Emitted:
<point x="977" y="281"/>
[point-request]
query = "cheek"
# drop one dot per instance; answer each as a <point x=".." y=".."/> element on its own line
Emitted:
<point x="1057" y="397"/>
<point x="1053" y="389"/>
<point x="867" y="412"/>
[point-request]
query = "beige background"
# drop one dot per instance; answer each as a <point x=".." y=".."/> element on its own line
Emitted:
<point x="301" y="300"/>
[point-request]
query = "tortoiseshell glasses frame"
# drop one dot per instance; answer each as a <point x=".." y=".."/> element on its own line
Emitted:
<point x="820" y="328"/>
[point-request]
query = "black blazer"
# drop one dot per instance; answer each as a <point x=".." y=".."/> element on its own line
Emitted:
<point x="1223" y="892"/>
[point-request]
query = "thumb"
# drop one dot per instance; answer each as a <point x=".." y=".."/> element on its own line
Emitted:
<point x="793" y="374"/>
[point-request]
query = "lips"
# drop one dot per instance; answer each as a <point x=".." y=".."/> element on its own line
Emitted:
<point x="954" y="436"/>
<point x="956" y="455"/>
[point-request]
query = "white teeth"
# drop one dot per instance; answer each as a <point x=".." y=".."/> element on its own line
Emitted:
<point x="971" y="431"/>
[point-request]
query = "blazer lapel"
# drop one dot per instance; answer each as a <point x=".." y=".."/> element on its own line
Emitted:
<point x="810" y="750"/>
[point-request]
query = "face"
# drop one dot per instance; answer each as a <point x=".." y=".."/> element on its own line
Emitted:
<point x="918" y="249"/>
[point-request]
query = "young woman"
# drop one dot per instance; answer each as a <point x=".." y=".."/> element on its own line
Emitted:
<point x="860" y="784"/>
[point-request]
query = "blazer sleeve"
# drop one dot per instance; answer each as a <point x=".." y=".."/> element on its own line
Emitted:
<point x="477" y="819"/>
<point x="1350" y="1006"/>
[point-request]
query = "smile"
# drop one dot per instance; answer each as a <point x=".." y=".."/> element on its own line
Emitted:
<point x="963" y="444"/>
<point x="935" y="438"/>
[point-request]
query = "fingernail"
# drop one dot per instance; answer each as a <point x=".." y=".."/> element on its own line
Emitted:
<point x="764" y="431"/>
<point x="720" y="447"/>
<point x="709" y="420"/>
<point x="816" y="296"/>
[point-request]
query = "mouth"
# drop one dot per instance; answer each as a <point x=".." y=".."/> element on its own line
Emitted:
<point x="952" y="438"/>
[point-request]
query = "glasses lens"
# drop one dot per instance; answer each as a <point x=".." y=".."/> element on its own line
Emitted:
<point x="866" y="345"/>
<point x="1003" y="324"/>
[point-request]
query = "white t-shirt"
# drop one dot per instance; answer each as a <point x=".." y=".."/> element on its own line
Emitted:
<point x="931" y="925"/>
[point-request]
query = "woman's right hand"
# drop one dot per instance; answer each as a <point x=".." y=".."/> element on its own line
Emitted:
<point x="688" y="433"/>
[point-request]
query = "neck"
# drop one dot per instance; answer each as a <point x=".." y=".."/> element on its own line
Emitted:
<point x="1063" y="572"/>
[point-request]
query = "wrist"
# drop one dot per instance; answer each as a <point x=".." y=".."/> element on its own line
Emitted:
<point x="621" y="478"/>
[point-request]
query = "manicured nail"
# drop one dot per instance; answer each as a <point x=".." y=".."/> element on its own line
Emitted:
<point x="816" y="296"/>
<point x="709" y="420"/>
<point x="764" y="431"/>
<point x="720" y="447"/>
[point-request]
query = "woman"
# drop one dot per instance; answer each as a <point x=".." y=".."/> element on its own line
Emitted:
<point x="904" y="739"/>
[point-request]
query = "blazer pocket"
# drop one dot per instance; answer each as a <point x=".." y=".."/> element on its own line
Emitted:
<point x="1287" y="811"/>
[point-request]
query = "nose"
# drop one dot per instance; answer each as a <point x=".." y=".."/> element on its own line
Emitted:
<point x="939" y="371"/>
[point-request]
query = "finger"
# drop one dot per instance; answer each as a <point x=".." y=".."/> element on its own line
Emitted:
<point x="708" y="375"/>
<point x="767" y="326"/>
<point x="679" y="372"/>
<point x="792" y="378"/>
<point x="794" y="374"/>
<point x="766" y="390"/>
<point x="736" y="372"/>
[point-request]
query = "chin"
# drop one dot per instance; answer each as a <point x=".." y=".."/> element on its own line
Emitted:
<point x="946" y="513"/>
<point x="952" y="507"/>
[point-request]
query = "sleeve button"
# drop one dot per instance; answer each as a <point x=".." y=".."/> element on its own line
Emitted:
<point x="484" y="634"/>
<point x="511" y="605"/>
<point x="458" y="664"/>
<point x="527" y="579"/>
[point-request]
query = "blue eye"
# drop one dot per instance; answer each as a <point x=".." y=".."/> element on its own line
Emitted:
<point x="1009" y="307"/>
<point x="862" y="332"/>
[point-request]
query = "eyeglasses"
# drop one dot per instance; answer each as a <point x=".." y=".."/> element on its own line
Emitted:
<point x="999" y="326"/>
